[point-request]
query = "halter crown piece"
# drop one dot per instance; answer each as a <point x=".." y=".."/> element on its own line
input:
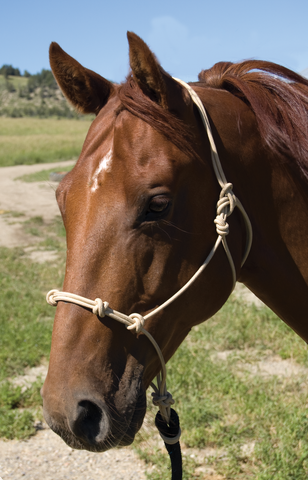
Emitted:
<point x="225" y="206"/>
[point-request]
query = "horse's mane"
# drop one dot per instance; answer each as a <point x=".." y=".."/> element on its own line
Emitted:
<point x="279" y="99"/>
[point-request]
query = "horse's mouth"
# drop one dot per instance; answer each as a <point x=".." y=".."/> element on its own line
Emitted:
<point x="108" y="430"/>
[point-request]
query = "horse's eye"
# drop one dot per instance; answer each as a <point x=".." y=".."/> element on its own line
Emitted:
<point x="159" y="204"/>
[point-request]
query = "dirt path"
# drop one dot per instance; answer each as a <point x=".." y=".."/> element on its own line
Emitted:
<point x="29" y="199"/>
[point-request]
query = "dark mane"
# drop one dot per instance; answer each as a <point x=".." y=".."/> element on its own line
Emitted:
<point x="135" y="101"/>
<point x="279" y="99"/>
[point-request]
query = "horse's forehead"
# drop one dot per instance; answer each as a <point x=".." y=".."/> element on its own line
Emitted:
<point x="123" y="150"/>
<point x="140" y="143"/>
<point x="129" y="142"/>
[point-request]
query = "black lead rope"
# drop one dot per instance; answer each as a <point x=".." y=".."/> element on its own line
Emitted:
<point x="174" y="450"/>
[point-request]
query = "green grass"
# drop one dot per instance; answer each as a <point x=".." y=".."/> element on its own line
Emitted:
<point x="26" y="324"/>
<point x="43" y="175"/>
<point x="14" y="422"/>
<point x="222" y="406"/>
<point x="52" y="234"/>
<point x="32" y="140"/>
<point x="17" y="82"/>
<point x="25" y="318"/>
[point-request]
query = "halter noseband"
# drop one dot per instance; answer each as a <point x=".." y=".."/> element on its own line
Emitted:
<point x="225" y="206"/>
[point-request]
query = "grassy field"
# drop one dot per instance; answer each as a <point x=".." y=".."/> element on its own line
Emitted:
<point x="26" y="323"/>
<point x="34" y="140"/>
<point x="240" y="422"/>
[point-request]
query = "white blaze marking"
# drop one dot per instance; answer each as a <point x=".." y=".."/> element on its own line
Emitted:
<point x="104" y="165"/>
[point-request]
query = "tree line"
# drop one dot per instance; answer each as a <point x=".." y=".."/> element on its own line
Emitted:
<point x="7" y="70"/>
<point x="38" y="96"/>
<point x="44" y="78"/>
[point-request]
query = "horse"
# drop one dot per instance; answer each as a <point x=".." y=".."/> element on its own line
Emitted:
<point x="139" y="210"/>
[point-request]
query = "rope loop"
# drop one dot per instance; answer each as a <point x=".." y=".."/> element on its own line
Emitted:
<point x="100" y="307"/>
<point x="50" y="298"/>
<point x="170" y="432"/>
<point x="227" y="200"/>
<point x="138" y="322"/>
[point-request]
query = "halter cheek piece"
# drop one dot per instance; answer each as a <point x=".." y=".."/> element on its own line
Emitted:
<point x="225" y="206"/>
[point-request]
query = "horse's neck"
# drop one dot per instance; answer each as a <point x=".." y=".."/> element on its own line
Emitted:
<point x="277" y="271"/>
<point x="275" y="200"/>
<point x="291" y="203"/>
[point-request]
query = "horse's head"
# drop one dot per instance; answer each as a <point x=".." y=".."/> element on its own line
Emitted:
<point x="138" y="209"/>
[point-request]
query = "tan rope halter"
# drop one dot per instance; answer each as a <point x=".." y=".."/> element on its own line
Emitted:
<point x="225" y="206"/>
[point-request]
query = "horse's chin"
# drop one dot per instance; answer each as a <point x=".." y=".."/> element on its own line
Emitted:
<point x="112" y="433"/>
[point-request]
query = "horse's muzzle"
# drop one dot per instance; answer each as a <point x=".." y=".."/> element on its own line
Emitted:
<point x="89" y="424"/>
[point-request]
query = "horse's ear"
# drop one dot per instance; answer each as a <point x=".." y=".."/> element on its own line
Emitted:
<point x="147" y="71"/>
<point x="86" y="90"/>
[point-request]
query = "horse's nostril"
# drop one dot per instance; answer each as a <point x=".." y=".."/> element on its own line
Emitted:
<point x="90" y="423"/>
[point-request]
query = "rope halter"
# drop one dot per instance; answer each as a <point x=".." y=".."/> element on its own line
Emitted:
<point x="225" y="206"/>
<point x="135" y="321"/>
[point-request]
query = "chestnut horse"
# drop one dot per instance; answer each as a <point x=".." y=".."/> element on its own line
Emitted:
<point x="138" y="209"/>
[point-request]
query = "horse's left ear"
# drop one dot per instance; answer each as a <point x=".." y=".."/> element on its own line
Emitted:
<point x="148" y="73"/>
<point x="86" y="90"/>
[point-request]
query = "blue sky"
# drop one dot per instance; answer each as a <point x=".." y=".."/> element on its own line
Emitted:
<point x="187" y="36"/>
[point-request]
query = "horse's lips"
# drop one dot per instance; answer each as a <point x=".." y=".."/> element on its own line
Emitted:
<point x="135" y="422"/>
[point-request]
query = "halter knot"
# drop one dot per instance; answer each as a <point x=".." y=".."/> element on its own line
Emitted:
<point x="138" y="322"/>
<point x="164" y="401"/>
<point x="227" y="200"/>
<point x="50" y="297"/>
<point x="222" y="227"/>
<point x="100" y="307"/>
<point x="224" y="208"/>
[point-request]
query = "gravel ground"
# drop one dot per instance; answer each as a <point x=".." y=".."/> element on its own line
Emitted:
<point x="46" y="457"/>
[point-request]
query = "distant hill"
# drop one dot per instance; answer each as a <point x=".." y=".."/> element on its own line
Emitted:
<point x="31" y="95"/>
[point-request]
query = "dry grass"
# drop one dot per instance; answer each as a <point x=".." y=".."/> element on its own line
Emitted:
<point x="33" y="140"/>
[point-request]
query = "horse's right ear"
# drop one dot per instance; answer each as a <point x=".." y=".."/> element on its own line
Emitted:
<point x="86" y="90"/>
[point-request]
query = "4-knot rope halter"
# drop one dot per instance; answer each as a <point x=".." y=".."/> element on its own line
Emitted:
<point x="135" y="321"/>
<point x="225" y="206"/>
